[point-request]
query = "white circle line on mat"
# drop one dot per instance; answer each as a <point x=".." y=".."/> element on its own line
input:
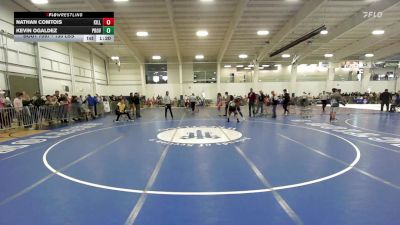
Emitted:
<point x="204" y="193"/>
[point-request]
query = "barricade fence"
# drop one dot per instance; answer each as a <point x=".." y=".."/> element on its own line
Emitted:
<point x="39" y="116"/>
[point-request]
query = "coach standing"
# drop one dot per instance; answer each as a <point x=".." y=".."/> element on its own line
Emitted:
<point x="385" y="98"/>
<point x="136" y="102"/>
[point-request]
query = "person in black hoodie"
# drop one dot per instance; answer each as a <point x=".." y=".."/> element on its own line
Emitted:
<point x="274" y="103"/>
<point x="136" y="102"/>
<point x="286" y="100"/>
<point x="131" y="104"/>
<point x="385" y="98"/>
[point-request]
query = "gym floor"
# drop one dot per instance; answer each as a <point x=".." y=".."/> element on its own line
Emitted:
<point x="200" y="170"/>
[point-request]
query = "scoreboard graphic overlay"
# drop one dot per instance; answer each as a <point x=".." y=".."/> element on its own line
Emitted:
<point x="64" y="26"/>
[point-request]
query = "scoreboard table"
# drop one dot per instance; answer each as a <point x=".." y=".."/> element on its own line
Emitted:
<point x="64" y="26"/>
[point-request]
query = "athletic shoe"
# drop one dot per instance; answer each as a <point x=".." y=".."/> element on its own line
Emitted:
<point x="228" y="120"/>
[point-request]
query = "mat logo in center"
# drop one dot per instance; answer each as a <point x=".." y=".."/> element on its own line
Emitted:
<point x="199" y="135"/>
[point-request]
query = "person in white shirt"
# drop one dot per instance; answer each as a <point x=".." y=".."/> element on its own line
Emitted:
<point x="324" y="100"/>
<point x="193" y="100"/>
<point x="167" y="102"/>
<point x="18" y="102"/>
<point x="19" y="108"/>
<point x="274" y="103"/>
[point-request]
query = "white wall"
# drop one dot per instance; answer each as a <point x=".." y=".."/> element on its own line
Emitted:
<point x="271" y="80"/>
<point x="71" y="65"/>
<point x="380" y="86"/>
<point x="124" y="79"/>
<point x="210" y="90"/>
<point x="55" y="64"/>
<point x="17" y="58"/>
<point x="83" y="74"/>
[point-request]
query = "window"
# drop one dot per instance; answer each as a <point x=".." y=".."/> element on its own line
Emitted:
<point x="378" y="74"/>
<point x="204" y="72"/>
<point x="274" y="73"/>
<point x="348" y="74"/>
<point x="156" y="74"/>
<point x="236" y="73"/>
<point x="312" y="72"/>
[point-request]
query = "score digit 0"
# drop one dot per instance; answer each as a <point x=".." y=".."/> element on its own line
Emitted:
<point x="108" y="30"/>
<point x="108" y="21"/>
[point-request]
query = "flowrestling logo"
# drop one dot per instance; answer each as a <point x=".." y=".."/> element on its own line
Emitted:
<point x="199" y="136"/>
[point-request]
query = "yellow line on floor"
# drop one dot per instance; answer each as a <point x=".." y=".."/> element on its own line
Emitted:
<point x="10" y="135"/>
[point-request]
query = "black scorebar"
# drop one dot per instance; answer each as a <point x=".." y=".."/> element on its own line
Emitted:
<point x="64" y="26"/>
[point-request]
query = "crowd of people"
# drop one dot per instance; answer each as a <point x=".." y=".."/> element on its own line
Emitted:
<point x="257" y="101"/>
<point x="29" y="110"/>
<point x="93" y="106"/>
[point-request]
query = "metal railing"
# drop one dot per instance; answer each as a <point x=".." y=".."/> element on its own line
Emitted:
<point x="39" y="116"/>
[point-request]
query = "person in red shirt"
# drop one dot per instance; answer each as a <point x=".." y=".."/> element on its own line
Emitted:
<point x="252" y="100"/>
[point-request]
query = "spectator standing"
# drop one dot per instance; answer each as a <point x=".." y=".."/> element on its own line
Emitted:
<point x="63" y="108"/>
<point x="2" y="99"/>
<point x="57" y="95"/>
<point x="5" y="119"/>
<point x="69" y="98"/>
<point x="274" y="103"/>
<point x="385" y="98"/>
<point x="19" y="108"/>
<point x="91" y="104"/>
<point x="130" y="102"/>
<point x="37" y="100"/>
<point x="26" y="99"/>
<point x="18" y="102"/>
<point x="260" y="102"/>
<point x="285" y="103"/>
<point x="252" y="99"/>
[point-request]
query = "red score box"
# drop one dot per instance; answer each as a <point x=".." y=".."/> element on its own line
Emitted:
<point x="108" y="21"/>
